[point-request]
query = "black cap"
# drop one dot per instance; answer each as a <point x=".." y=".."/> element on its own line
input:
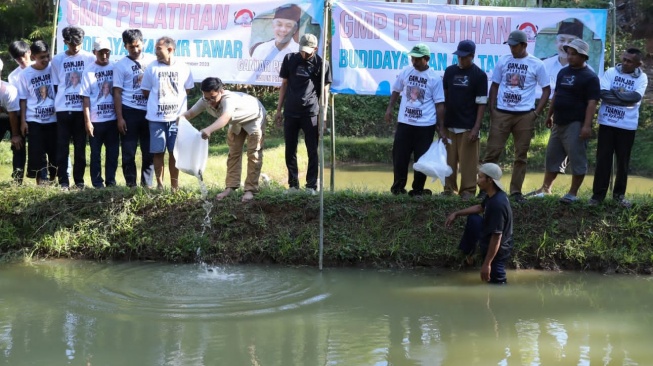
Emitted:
<point x="465" y="48"/>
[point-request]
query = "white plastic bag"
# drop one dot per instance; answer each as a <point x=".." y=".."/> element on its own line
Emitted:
<point x="191" y="151"/>
<point x="434" y="162"/>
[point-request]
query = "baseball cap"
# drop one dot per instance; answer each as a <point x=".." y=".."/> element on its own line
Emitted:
<point x="420" y="50"/>
<point x="465" y="48"/>
<point x="580" y="46"/>
<point x="101" y="44"/>
<point x="308" y="43"/>
<point x="493" y="171"/>
<point x="516" y="37"/>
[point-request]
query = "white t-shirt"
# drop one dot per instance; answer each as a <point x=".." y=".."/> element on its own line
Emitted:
<point x="97" y="84"/>
<point x="36" y="87"/>
<point x="127" y="75"/>
<point x="245" y="110"/>
<point x="626" y="118"/>
<point x="67" y="75"/>
<point x="167" y="85"/>
<point x="9" y="97"/>
<point x="266" y="61"/>
<point x="13" y="76"/>
<point x="518" y="79"/>
<point x="420" y="91"/>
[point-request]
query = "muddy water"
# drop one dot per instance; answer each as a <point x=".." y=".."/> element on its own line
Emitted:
<point x="378" y="177"/>
<point x="84" y="313"/>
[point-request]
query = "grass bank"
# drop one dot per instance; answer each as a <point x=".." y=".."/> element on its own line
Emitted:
<point x="366" y="229"/>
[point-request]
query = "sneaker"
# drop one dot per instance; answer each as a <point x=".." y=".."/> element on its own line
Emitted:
<point x="311" y="191"/>
<point x="517" y="197"/>
<point x="593" y="202"/>
<point x="291" y="190"/>
<point x="623" y="202"/>
<point x="481" y="195"/>
<point x="397" y="192"/>
<point x="64" y="188"/>
<point x="466" y="196"/>
<point x="423" y="192"/>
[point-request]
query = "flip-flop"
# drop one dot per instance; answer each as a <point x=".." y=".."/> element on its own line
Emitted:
<point x="568" y="198"/>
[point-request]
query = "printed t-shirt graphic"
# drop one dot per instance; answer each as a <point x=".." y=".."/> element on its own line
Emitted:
<point x="35" y="86"/>
<point x="618" y="116"/>
<point x="67" y="75"/>
<point x="98" y="86"/>
<point x="128" y="76"/>
<point x="517" y="79"/>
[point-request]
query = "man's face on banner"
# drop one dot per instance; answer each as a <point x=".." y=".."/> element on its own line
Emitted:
<point x="563" y="40"/>
<point x="283" y="29"/>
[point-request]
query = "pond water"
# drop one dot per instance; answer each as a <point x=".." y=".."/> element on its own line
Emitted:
<point x="378" y="177"/>
<point x="86" y="313"/>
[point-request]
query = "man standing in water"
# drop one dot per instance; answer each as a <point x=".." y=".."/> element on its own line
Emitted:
<point x="493" y="231"/>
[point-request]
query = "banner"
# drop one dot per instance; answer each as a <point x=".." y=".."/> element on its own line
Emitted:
<point x="241" y="42"/>
<point x="371" y="39"/>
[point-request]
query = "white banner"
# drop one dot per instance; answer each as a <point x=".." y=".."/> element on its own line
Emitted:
<point x="371" y="39"/>
<point x="235" y="41"/>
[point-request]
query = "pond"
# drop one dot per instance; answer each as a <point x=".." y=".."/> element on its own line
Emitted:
<point x="87" y="313"/>
<point x="378" y="178"/>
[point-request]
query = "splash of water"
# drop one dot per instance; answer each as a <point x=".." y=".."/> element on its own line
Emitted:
<point x="206" y="223"/>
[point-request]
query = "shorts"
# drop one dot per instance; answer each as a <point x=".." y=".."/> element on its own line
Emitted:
<point x="162" y="136"/>
<point x="565" y="142"/>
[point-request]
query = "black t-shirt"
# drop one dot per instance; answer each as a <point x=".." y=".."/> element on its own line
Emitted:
<point x="462" y="86"/>
<point x="304" y="76"/>
<point x="497" y="218"/>
<point x="574" y="89"/>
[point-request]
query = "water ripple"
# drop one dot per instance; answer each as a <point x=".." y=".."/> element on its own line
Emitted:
<point x="198" y="292"/>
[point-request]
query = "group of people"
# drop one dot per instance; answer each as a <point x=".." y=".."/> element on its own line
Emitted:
<point x="453" y="107"/>
<point x="138" y="100"/>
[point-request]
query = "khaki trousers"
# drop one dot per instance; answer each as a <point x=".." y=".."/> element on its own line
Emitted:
<point x="254" y="159"/>
<point x="461" y="155"/>
<point x="522" y="127"/>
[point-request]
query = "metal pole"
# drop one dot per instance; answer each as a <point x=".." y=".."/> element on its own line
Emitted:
<point x="53" y="45"/>
<point x="321" y="122"/>
<point x="333" y="142"/>
<point x="613" y="9"/>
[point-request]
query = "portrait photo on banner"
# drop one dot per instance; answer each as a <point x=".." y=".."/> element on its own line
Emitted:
<point x="551" y="40"/>
<point x="274" y="34"/>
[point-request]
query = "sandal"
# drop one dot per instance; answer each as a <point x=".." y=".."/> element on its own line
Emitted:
<point x="568" y="198"/>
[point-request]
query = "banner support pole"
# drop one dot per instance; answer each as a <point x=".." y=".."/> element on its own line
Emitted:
<point x="321" y="123"/>
<point x="53" y="45"/>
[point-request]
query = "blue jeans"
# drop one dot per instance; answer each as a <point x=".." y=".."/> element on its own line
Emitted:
<point x="291" y="128"/>
<point x="469" y="241"/>
<point x="138" y="132"/>
<point x="71" y="125"/>
<point x="104" y="133"/>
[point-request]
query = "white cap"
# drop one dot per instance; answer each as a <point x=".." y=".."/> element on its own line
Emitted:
<point x="101" y="44"/>
<point x="493" y="171"/>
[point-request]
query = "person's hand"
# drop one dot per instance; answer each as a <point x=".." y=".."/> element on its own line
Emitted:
<point x="450" y="219"/>
<point x="388" y="116"/>
<point x="585" y="132"/>
<point x="89" y="129"/>
<point x="24" y="129"/>
<point x="549" y="122"/>
<point x="205" y="134"/>
<point x="473" y="134"/>
<point x="122" y="126"/>
<point x="485" y="272"/>
<point x="278" y="118"/>
<point x="17" y="142"/>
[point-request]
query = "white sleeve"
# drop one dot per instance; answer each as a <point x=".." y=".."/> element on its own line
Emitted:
<point x="147" y="82"/>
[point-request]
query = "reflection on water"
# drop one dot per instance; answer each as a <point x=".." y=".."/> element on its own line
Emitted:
<point x="61" y="313"/>
<point x="378" y="178"/>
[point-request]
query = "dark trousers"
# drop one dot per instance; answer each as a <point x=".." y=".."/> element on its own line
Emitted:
<point x="138" y="132"/>
<point x="469" y="241"/>
<point x="617" y="142"/>
<point x="409" y="140"/>
<point x="19" y="157"/>
<point x="104" y="133"/>
<point x="71" y="125"/>
<point x="291" y="128"/>
<point x="42" y="142"/>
